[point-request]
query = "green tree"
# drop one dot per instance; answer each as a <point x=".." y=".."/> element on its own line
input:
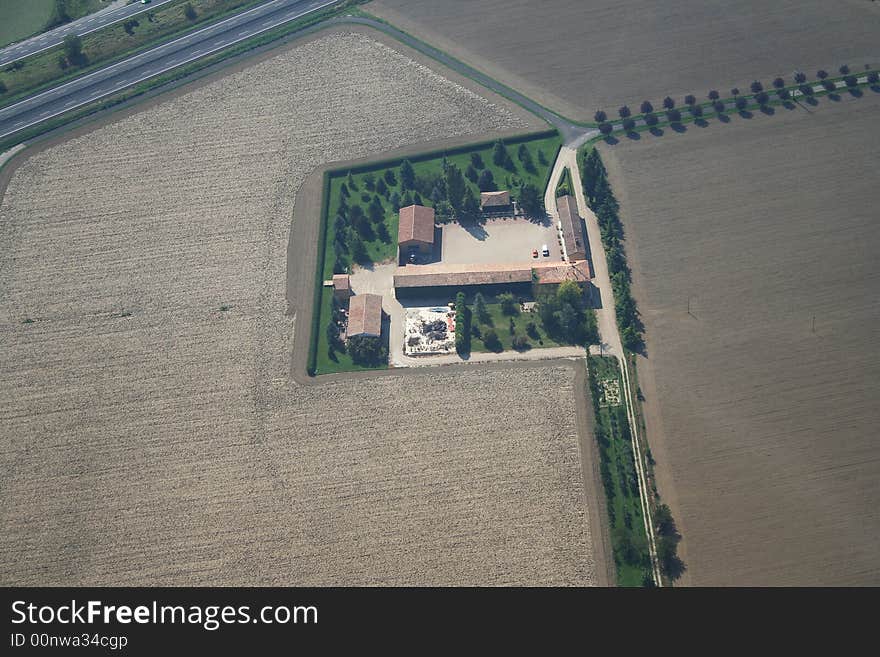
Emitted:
<point x="367" y="350"/>
<point x="571" y="293"/>
<point x="2" y="87"/>
<point x="349" y="180"/>
<point x="530" y="200"/>
<point x="462" y="331"/>
<point x="390" y="178"/>
<point x="486" y="181"/>
<point x="501" y="157"/>
<point x="359" y="250"/>
<point x="375" y="210"/>
<point x="73" y="50"/>
<point x="455" y="188"/>
<point x="381" y="187"/>
<point x="490" y="339"/>
<point x="480" y="309"/>
<point x="470" y="209"/>
<point x="407" y="175"/>
<point x="471" y="173"/>
<point x="477" y="161"/>
<point x="509" y="304"/>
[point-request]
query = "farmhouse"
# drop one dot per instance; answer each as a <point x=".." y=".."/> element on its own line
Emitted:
<point x="364" y="316"/>
<point x="495" y="202"/>
<point x="415" y="230"/>
<point x="574" y="242"/>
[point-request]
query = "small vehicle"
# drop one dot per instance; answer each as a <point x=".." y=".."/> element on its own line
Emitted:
<point x="534" y="253"/>
<point x="545" y="251"/>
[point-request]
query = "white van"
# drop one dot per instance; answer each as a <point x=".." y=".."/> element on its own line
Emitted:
<point x="545" y="251"/>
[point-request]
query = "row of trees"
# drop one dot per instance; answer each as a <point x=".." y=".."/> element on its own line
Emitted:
<point x="462" y="326"/>
<point x="604" y="204"/>
<point x="759" y="94"/>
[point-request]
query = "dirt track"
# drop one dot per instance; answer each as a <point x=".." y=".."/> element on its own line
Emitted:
<point x="761" y="404"/>
<point x="149" y="437"/>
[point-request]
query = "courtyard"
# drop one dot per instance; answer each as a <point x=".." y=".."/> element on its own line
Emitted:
<point x="499" y="240"/>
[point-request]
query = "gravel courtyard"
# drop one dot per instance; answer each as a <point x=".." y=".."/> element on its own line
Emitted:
<point x="503" y="241"/>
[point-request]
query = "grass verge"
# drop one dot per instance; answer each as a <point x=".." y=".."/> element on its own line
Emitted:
<point x="629" y="541"/>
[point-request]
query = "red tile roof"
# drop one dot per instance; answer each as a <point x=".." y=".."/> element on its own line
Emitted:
<point x="364" y="315"/>
<point x="416" y="223"/>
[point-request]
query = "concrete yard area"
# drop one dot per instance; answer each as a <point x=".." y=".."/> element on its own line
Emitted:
<point x="501" y="241"/>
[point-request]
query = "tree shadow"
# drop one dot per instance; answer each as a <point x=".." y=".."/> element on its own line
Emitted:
<point x="855" y="92"/>
<point x="657" y="132"/>
<point x="475" y="229"/>
<point x="678" y="127"/>
<point x="811" y="100"/>
<point x="723" y="118"/>
<point x="702" y="123"/>
<point x="746" y="114"/>
<point x="768" y="110"/>
<point x="788" y="105"/>
<point x="834" y="96"/>
<point x="611" y="140"/>
<point x="875" y="88"/>
<point x="632" y="134"/>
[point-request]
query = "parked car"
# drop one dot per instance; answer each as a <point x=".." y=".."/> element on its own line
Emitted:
<point x="545" y="251"/>
<point x="534" y="253"/>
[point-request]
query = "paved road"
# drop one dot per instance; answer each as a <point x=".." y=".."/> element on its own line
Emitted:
<point x="116" y="77"/>
<point x="113" y="13"/>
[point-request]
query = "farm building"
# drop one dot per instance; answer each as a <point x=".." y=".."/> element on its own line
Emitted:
<point x="342" y="287"/>
<point x="492" y="278"/>
<point x="415" y="230"/>
<point x="364" y="316"/>
<point x="495" y="202"/>
<point x="574" y="241"/>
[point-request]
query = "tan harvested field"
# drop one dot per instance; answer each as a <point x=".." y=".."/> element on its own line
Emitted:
<point x="764" y="427"/>
<point x="578" y="56"/>
<point x="149" y="437"/>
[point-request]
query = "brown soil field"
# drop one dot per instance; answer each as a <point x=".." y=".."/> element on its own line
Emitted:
<point x="762" y="404"/>
<point x="148" y="436"/>
<point x="578" y="56"/>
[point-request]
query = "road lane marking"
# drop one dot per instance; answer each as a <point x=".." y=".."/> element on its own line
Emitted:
<point x="148" y="75"/>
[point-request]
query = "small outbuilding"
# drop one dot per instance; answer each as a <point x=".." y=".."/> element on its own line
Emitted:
<point x="364" y="316"/>
<point x="415" y="229"/>
<point x="342" y="287"/>
<point x="495" y="202"/>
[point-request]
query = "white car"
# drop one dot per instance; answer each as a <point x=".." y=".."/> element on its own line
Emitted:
<point x="545" y="251"/>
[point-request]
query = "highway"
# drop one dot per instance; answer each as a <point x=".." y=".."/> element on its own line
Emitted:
<point x="185" y="49"/>
<point x="82" y="26"/>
